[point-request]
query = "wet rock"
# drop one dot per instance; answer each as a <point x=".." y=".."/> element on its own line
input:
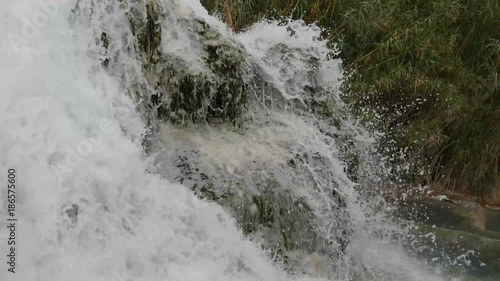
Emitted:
<point x="208" y="84"/>
<point x="73" y="213"/>
<point x="266" y="196"/>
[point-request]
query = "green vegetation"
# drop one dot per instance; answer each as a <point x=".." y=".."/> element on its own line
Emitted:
<point x="424" y="72"/>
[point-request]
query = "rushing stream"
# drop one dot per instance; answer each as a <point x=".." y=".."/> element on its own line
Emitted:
<point x="92" y="205"/>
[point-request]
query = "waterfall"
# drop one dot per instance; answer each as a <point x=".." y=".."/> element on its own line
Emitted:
<point x="82" y="98"/>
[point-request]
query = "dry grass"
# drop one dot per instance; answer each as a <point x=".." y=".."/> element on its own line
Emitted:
<point x="227" y="13"/>
<point x="494" y="200"/>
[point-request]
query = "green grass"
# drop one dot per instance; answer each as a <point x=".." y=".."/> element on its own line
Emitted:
<point x="428" y="69"/>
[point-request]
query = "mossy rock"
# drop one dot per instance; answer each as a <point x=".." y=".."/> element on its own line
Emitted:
<point x="215" y="92"/>
<point x="282" y="220"/>
<point x="313" y="94"/>
<point x="265" y="209"/>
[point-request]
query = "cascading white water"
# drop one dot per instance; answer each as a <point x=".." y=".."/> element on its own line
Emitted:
<point x="73" y="136"/>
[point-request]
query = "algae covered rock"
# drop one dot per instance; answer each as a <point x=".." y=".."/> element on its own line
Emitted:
<point x="193" y="72"/>
<point x="197" y="73"/>
<point x="214" y="90"/>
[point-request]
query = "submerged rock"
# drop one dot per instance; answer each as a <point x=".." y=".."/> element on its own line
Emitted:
<point x="454" y="235"/>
